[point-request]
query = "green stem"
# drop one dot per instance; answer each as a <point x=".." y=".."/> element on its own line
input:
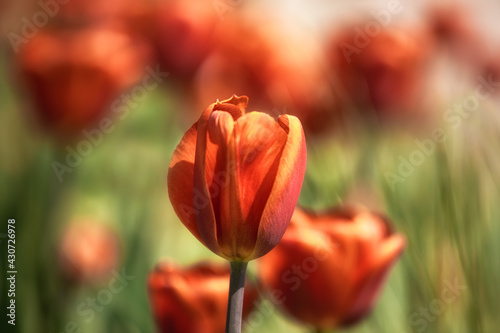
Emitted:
<point x="235" y="300"/>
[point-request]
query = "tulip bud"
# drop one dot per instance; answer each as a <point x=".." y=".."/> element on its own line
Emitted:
<point x="330" y="268"/>
<point x="235" y="178"/>
<point x="193" y="299"/>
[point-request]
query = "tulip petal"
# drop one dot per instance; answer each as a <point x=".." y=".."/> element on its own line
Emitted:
<point x="286" y="188"/>
<point x="370" y="280"/>
<point x="180" y="181"/>
<point x="175" y="305"/>
<point x="205" y="218"/>
<point x="235" y="106"/>
<point x="206" y="157"/>
<point x="259" y="142"/>
<point x="312" y="270"/>
<point x="390" y="250"/>
<point x="222" y="180"/>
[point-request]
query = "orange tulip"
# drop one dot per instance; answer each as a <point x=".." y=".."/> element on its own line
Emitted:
<point x="235" y="178"/>
<point x="75" y="75"/>
<point x="182" y="35"/>
<point x="329" y="269"/>
<point x="193" y="300"/>
<point x="387" y="74"/>
<point x="454" y="29"/>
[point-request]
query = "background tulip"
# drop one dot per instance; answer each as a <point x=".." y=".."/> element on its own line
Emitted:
<point x="331" y="267"/>
<point x="454" y="29"/>
<point x="193" y="299"/>
<point x="235" y="178"/>
<point x="182" y="35"/>
<point x="88" y="252"/>
<point x="74" y="75"/>
<point x="386" y="73"/>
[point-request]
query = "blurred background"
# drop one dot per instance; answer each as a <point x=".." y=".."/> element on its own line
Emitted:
<point x="399" y="101"/>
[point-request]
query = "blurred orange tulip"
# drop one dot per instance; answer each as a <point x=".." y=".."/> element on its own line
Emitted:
<point x="235" y="178"/>
<point x="74" y="75"/>
<point x="193" y="300"/>
<point x="182" y="34"/>
<point x="88" y="252"/>
<point x="329" y="269"/>
<point x="384" y="72"/>
<point x="454" y="28"/>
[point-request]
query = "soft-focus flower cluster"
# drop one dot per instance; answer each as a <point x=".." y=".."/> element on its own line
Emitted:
<point x="78" y="63"/>
<point x="234" y="181"/>
<point x="328" y="271"/>
<point x="387" y="75"/>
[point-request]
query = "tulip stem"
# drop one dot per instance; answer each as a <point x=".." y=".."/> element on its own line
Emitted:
<point x="236" y="292"/>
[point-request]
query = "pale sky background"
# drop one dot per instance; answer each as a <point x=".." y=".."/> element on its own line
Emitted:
<point x="323" y="14"/>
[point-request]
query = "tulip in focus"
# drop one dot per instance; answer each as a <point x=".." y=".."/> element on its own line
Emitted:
<point x="235" y="178"/>
<point x="234" y="181"/>
<point x="88" y="252"/>
<point x="329" y="269"/>
<point x="194" y="299"/>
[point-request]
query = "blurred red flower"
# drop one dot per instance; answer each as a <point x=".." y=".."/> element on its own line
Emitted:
<point x="74" y="75"/>
<point x="453" y="27"/>
<point x="88" y="252"/>
<point x="193" y="299"/>
<point x="329" y="268"/>
<point x="384" y="72"/>
<point x="182" y="33"/>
